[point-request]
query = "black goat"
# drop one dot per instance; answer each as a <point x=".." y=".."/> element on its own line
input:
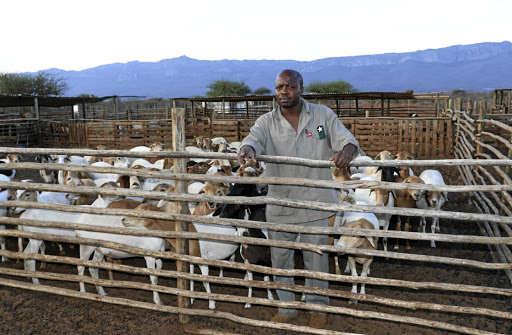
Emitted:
<point x="251" y="254"/>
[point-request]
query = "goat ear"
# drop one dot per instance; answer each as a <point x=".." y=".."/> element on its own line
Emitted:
<point x="377" y="157"/>
<point x="445" y="195"/>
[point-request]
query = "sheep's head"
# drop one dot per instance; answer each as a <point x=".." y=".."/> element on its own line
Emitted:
<point x="415" y="194"/>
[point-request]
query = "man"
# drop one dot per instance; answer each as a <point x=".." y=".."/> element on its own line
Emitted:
<point x="297" y="128"/>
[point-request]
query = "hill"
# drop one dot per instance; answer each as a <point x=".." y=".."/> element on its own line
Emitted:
<point x="476" y="67"/>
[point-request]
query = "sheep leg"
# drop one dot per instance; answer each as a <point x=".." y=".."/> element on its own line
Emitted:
<point x="61" y="249"/>
<point x="407" y="228"/>
<point x="85" y="253"/>
<point x="398" y="228"/>
<point x="433" y="228"/>
<point x="269" y="292"/>
<point x="385" y="227"/>
<point x="42" y="250"/>
<point x="204" y="272"/>
<point x="248" y="276"/>
<point x="110" y="273"/>
<point x="97" y="257"/>
<point x="2" y="245"/>
<point x="353" y="270"/>
<point x="365" y="272"/>
<point x="191" y="269"/>
<point x="30" y="264"/>
<point x="337" y="264"/>
<point x="423" y="224"/>
<point x="153" y="263"/>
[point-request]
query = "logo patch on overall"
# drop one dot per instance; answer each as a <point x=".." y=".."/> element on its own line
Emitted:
<point x="321" y="131"/>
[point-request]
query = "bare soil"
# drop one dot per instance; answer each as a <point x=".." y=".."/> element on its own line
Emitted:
<point x="27" y="312"/>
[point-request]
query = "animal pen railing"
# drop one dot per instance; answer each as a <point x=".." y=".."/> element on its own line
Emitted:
<point x="394" y="301"/>
<point x="405" y="308"/>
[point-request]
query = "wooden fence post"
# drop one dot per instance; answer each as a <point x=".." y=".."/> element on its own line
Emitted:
<point x="480" y="127"/>
<point x="178" y="143"/>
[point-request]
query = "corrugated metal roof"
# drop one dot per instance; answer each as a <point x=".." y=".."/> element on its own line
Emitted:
<point x="14" y="100"/>
<point x="330" y="96"/>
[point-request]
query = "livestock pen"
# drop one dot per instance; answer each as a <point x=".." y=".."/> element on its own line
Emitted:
<point x="459" y="287"/>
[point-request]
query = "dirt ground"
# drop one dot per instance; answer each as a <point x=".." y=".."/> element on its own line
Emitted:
<point x="28" y="313"/>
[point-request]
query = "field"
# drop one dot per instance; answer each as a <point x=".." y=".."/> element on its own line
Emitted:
<point x="27" y="312"/>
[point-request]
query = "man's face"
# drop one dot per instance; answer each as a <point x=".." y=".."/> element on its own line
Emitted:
<point x="288" y="90"/>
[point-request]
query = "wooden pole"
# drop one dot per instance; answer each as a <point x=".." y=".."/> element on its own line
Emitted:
<point x="178" y="142"/>
<point x="36" y="108"/>
<point x="480" y="128"/>
<point x="116" y="109"/>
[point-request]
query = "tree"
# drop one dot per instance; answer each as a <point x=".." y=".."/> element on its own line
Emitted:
<point x="227" y="88"/>
<point x="262" y="91"/>
<point x="43" y="84"/>
<point x="339" y="86"/>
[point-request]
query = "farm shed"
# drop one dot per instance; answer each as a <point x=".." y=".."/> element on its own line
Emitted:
<point x="461" y="286"/>
<point x="20" y="116"/>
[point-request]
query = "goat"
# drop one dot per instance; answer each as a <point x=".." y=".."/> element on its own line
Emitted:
<point x="251" y="254"/>
<point x="433" y="200"/>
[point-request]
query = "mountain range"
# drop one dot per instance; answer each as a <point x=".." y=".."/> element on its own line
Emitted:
<point x="476" y="67"/>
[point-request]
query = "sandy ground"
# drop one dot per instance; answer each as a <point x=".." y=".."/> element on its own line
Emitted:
<point x="28" y="312"/>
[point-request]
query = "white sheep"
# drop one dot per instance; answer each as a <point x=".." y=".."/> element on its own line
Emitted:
<point x="433" y="200"/>
<point x="358" y="220"/>
<point x="377" y="197"/>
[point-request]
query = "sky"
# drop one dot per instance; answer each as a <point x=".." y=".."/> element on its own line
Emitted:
<point x="76" y="35"/>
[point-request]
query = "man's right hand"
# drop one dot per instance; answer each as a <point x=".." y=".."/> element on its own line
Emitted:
<point x="246" y="153"/>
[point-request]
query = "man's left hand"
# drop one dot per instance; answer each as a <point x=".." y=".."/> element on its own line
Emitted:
<point x="343" y="157"/>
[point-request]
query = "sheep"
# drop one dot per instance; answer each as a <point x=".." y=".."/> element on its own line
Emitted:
<point x="356" y="220"/>
<point x="377" y="197"/>
<point x="48" y="176"/>
<point x="198" y="167"/>
<point x="35" y="245"/>
<point x="5" y="195"/>
<point x="10" y="159"/>
<point x="216" y="142"/>
<point x="213" y="250"/>
<point x="374" y="170"/>
<point x="120" y="162"/>
<point x="433" y="200"/>
<point x="361" y="158"/>
<point x="213" y="189"/>
<point x="404" y="171"/>
<point x="73" y="160"/>
<point x="251" y="254"/>
<point x="150" y="243"/>
<point x="407" y="199"/>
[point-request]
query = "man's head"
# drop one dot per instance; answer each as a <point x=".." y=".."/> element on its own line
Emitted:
<point x="289" y="87"/>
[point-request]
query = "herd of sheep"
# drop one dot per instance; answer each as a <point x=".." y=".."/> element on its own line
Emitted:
<point x="217" y="250"/>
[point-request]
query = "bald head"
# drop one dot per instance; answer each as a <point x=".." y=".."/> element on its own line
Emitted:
<point x="291" y="74"/>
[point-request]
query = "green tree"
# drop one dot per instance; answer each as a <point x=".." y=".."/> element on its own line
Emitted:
<point x="339" y="86"/>
<point x="226" y="88"/>
<point x="262" y="91"/>
<point x="43" y="83"/>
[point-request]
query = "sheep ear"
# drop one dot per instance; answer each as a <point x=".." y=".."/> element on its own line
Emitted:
<point x="370" y="239"/>
<point x="393" y="192"/>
